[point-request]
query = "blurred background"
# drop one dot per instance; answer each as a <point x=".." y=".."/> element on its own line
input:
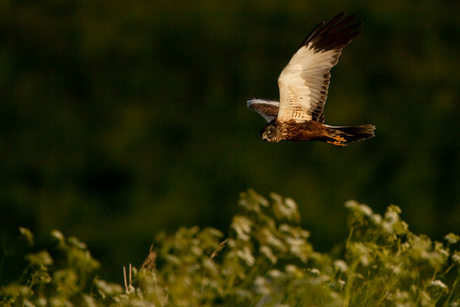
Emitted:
<point x="120" y="119"/>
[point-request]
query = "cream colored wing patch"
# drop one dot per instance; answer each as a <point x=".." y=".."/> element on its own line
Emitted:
<point x="304" y="82"/>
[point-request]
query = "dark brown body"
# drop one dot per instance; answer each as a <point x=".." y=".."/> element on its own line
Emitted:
<point x="291" y="130"/>
<point x="307" y="131"/>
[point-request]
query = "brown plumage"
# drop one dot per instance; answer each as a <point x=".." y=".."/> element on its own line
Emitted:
<point x="290" y="130"/>
<point x="303" y="84"/>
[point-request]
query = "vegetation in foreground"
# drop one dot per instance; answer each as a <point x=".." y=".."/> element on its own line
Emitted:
<point x="266" y="260"/>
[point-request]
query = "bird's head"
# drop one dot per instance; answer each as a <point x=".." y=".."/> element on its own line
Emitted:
<point x="269" y="132"/>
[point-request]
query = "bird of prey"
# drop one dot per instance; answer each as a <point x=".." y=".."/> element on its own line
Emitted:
<point x="303" y="85"/>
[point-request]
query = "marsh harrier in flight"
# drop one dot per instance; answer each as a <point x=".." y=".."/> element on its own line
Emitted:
<point x="303" y="84"/>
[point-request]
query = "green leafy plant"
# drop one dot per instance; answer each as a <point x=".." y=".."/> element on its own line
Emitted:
<point x="265" y="260"/>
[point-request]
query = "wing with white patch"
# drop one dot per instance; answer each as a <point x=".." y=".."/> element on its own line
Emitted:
<point x="304" y="82"/>
<point x="265" y="107"/>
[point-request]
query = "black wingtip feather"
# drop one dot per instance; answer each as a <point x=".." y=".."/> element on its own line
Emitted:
<point x="331" y="24"/>
<point x="312" y="34"/>
<point x="334" y="35"/>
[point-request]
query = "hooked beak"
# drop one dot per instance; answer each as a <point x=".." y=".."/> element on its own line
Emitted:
<point x="264" y="138"/>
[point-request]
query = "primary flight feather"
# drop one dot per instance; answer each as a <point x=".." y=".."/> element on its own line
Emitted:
<point x="303" y="84"/>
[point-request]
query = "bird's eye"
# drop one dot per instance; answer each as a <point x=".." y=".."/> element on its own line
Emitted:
<point x="269" y="132"/>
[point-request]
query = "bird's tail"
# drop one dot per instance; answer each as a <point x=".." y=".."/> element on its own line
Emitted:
<point x="341" y="135"/>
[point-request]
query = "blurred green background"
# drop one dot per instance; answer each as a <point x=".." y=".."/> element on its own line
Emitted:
<point x="123" y="118"/>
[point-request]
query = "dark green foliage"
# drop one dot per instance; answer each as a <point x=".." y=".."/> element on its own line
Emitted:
<point x="265" y="260"/>
<point x="56" y="277"/>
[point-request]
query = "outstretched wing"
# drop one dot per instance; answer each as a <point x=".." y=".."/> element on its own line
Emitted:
<point x="265" y="107"/>
<point x="304" y="82"/>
